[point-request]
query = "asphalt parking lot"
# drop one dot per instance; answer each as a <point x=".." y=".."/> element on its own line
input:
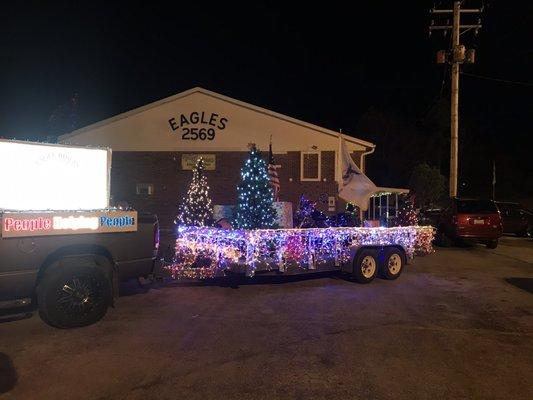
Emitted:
<point x="458" y="324"/>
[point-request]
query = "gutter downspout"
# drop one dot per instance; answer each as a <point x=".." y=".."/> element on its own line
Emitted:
<point x="363" y="158"/>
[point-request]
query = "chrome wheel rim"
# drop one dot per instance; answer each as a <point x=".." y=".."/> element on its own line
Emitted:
<point x="80" y="295"/>
<point x="394" y="264"/>
<point x="368" y="266"/>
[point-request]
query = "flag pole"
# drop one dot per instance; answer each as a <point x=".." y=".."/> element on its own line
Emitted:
<point x="339" y="163"/>
<point x="339" y="168"/>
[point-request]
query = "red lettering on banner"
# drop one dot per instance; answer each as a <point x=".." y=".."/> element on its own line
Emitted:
<point x="8" y="223"/>
<point x="47" y="224"/>
<point x="27" y="225"/>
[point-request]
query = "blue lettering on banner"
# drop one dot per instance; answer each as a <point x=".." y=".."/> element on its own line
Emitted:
<point x="111" y="222"/>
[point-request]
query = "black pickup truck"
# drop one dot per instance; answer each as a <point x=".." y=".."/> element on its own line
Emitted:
<point x="73" y="279"/>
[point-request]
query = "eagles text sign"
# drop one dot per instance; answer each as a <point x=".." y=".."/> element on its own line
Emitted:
<point x="198" y="125"/>
<point x="24" y="224"/>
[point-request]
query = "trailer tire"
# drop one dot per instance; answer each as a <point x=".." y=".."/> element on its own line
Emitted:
<point x="365" y="266"/>
<point x="74" y="296"/>
<point x="391" y="263"/>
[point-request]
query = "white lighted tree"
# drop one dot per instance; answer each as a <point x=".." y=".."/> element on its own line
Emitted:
<point x="195" y="208"/>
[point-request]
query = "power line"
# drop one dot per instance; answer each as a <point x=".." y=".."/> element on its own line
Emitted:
<point x="445" y="71"/>
<point x="488" y="78"/>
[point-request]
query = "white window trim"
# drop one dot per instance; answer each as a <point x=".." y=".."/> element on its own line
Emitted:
<point x="336" y="167"/>
<point x="319" y="178"/>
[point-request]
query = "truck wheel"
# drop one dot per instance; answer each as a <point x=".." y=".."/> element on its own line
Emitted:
<point x="76" y="296"/>
<point x="492" y="244"/>
<point x="365" y="266"/>
<point x="391" y="264"/>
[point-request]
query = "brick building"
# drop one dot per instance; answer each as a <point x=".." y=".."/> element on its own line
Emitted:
<point x="155" y="146"/>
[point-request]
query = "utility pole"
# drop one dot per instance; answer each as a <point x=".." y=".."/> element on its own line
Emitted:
<point x="455" y="56"/>
<point x="454" y="117"/>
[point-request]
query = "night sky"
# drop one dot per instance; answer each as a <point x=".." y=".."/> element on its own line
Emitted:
<point x="326" y="64"/>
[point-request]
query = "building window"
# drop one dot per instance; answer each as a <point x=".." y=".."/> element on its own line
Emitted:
<point x="310" y="165"/>
<point x="145" y="189"/>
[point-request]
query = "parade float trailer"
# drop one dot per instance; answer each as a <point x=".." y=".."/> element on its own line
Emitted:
<point x="62" y="247"/>
<point x="363" y="253"/>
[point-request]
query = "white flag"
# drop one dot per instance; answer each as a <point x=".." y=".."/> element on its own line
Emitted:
<point x="354" y="186"/>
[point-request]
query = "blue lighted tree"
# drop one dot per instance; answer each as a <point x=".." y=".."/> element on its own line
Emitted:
<point x="255" y="196"/>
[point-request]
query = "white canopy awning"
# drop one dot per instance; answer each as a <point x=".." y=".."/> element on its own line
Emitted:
<point x="383" y="191"/>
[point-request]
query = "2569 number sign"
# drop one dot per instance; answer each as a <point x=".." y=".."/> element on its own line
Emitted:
<point x="195" y="134"/>
<point x="198" y="125"/>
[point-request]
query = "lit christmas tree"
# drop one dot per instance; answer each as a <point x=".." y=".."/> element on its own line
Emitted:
<point x="407" y="214"/>
<point x="303" y="216"/>
<point x="255" y="197"/>
<point x="195" y="208"/>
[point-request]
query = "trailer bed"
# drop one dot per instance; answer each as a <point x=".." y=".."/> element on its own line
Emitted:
<point x="205" y="252"/>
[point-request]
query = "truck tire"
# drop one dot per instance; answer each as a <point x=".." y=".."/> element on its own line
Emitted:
<point x="73" y="296"/>
<point x="492" y="244"/>
<point x="391" y="263"/>
<point x="365" y="266"/>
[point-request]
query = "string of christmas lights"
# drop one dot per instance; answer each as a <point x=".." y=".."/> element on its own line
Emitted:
<point x="206" y="252"/>
<point x="255" y="196"/>
<point x="195" y="208"/>
<point x="407" y="214"/>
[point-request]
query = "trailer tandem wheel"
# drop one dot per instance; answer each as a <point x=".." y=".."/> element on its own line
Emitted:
<point x="391" y="262"/>
<point x="365" y="266"/>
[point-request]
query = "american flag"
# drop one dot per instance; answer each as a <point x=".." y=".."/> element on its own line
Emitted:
<point x="273" y="173"/>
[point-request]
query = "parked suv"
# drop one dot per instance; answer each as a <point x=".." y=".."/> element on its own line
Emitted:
<point x="516" y="219"/>
<point x="471" y="219"/>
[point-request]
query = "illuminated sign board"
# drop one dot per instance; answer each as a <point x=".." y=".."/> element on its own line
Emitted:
<point x="188" y="161"/>
<point x="24" y="224"/>
<point x="38" y="176"/>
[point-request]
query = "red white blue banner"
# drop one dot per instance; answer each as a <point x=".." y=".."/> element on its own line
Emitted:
<point x="27" y="224"/>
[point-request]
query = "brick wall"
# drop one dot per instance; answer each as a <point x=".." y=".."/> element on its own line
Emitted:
<point x="163" y="170"/>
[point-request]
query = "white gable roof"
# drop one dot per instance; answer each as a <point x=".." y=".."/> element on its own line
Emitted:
<point x="201" y="120"/>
